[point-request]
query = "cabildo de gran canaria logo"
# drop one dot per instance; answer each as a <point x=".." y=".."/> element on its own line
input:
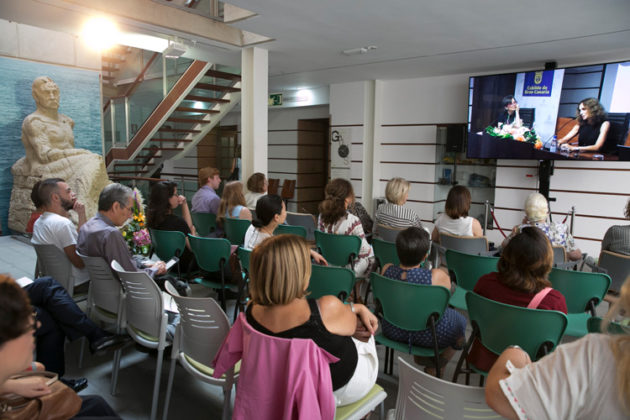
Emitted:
<point x="538" y="77"/>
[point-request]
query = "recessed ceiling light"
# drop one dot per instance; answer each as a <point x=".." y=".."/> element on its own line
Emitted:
<point x="360" y="50"/>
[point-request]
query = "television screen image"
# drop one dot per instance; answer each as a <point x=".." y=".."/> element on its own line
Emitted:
<point x="569" y="113"/>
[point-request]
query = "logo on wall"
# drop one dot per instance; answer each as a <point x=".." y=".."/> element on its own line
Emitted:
<point x="538" y="83"/>
<point x="341" y="159"/>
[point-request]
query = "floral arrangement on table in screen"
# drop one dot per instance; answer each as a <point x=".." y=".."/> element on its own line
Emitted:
<point x="135" y="231"/>
<point x="510" y="132"/>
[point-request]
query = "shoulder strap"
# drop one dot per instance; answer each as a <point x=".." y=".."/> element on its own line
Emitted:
<point x="535" y="302"/>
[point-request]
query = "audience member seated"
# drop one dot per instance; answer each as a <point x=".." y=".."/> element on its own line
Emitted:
<point x="233" y="203"/>
<point x="256" y="188"/>
<point x="358" y="210"/>
<point x="412" y="247"/>
<point x="17" y="327"/>
<point x="536" y="212"/>
<point x="617" y="237"/>
<point x="38" y="208"/>
<point x="522" y="274"/>
<point x="334" y="218"/>
<point x="270" y="212"/>
<point x="54" y="227"/>
<point x="393" y="213"/>
<point x="585" y="379"/>
<point x="280" y="269"/>
<point x="206" y="199"/>
<point x="163" y="201"/>
<point x="100" y="237"/>
<point x="592" y="127"/>
<point x="455" y="219"/>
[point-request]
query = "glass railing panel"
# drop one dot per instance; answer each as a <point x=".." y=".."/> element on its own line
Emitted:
<point x="175" y="67"/>
<point x="119" y="130"/>
<point x="107" y="130"/>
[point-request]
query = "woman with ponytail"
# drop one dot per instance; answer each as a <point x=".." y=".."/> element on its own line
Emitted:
<point x="334" y="218"/>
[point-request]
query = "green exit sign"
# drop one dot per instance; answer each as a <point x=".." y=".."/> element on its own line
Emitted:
<point x="275" y="99"/>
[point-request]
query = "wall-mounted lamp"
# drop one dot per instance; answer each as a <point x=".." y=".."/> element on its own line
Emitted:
<point x="361" y="50"/>
<point x="174" y="50"/>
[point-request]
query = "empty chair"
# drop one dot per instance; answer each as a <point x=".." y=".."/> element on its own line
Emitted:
<point x="582" y="292"/>
<point x="467" y="269"/>
<point x="528" y="115"/>
<point x="306" y="220"/>
<point x="202" y="328"/>
<point x="212" y="254"/>
<point x="53" y="262"/>
<point x="411" y="307"/>
<point x="205" y="223"/>
<point x="423" y="396"/>
<point x="336" y="281"/>
<point x="617" y="266"/>
<point x="145" y="319"/>
<point x="235" y="229"/>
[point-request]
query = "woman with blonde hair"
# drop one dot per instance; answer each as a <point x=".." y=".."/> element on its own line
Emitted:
<point x="585" y="379"/>
<point x="335" y="218"/>
<point x="280" y="269"/>
<point x="455" y="219"/>
<point x="233" y="203"/>
<point x="393" y="213"/>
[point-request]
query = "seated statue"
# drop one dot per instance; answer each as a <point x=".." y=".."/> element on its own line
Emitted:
<point x="49" y="145"/>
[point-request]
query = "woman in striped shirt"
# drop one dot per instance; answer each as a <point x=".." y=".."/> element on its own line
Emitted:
<point x="393" y="213"/>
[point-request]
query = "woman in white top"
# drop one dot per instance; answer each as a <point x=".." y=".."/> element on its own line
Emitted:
<point x="256" y="187"/>
<point x="585" y="379"/>
<point x="455" y="219"/>
<point x="270" y="212"/>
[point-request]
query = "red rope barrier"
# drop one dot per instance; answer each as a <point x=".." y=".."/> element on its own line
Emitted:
<point x="497" y="223"/>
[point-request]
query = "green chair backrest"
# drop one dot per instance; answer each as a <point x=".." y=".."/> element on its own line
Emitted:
<point x="339" y="250"/>
<point x="468" y="268"/>
<point x="336" y="281"/>
<point x="168" y="243"/>
<point x="594" y="326"/>
<point x="235" y="229"/>
<point x="205" y="223"/>
<point x="385" y="252"/>
<point x="211" y="253"/>
<point x="409" y="306"/>
<point x="579" y="288"/>
<point x="291" y="230"/>
<point x="501" y="325"/>
<point x="244" y="255"/>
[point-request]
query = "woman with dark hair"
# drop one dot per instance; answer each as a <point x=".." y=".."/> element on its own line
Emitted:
<point x="591" y="129"/>
<point x="162" y="201"/>
<point x="509" y="115"/>
<point x="523" y="269"/>
<point x="233" y="203"/>
<point x="455" y="219"/>
<point x="256" y="188"/>
<point x="617" y="237"/>
<point x="412" y="247"/>
<point x="280" y="269"/>
<point x="270" y="212"/>
<point x="335" y="218"/>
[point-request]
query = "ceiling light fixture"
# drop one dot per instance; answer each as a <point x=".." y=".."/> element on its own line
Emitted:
<point x="360" y="50"/>
<point x="100" y="33"/>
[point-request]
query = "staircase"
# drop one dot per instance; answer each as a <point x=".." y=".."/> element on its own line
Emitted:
<point x="195" y="104"/>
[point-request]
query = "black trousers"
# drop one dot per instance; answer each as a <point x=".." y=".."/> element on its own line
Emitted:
<point x="60" y="318"/>
<point x="95" y="407"/>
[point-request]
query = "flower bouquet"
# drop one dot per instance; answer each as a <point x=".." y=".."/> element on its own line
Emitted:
<point x="134" y="231"/>
<point x="507" y="131"/>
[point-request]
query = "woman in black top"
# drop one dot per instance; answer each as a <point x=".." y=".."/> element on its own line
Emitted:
<point x="509" y="115"/>
<point x="280" y="268"/>
<point x="591" y="129"/>
<point x="162" y="202"/>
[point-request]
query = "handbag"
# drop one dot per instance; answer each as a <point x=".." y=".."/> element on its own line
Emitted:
<point x="61" y="404"/>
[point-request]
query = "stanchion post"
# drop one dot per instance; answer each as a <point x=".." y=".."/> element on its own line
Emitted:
<point x="572" y="219"/>
<point x="485" y="217"/>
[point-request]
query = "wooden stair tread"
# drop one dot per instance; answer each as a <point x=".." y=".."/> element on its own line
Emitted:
<point x="109" y="69"/>
<point x="143" y="171"/>
<point x="128" y="164"/>
<point x="167" y="148"/>
<point x="113" y="60"/>
<point x="187" y="120"/>
<point x="196" y="110"/>
<point x="175" y="140"/>
<point x="219" y="88"/>
<point x="107" y="77"/>
<point x="223" y="75"/>
<point x="206" y="99"/>
<point x="177" y="130"/>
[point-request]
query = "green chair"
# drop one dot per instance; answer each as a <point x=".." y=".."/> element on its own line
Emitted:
<point x="336" y="281"/>
<point x="412" y="307"/>
<point x="499" y="325"/>
<point x="339" y="250"/>
<point x="291" y="230"/>
<point x="594" y="326"/>
<point x="212" y="254"/>
<point x="235" y="229"/>
<point x="168" y="244"/>
<point x="206" y="223"/>
<point x="243" y="286"/>
<point x="384" y="253"/>
<point x="467" y="268"/>
<point x="583" y="292"/>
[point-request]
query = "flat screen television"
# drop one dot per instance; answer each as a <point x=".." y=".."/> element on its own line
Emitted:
<point x="548" y="106"/>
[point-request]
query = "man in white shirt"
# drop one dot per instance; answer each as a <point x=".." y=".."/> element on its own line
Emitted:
<point x="54" y="226"/>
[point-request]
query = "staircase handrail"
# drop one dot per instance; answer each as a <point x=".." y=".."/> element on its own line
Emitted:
<point x="135" y="83"/>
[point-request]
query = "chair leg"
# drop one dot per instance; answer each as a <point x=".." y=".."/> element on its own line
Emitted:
<point x="222" y="291"/>
<point x="156" y="384"/>
<point x="391" y="361"/>
<point x="82" y="352"/>
<point x="169" y="388"/>
<point x="367" y="293"/>
<point x="114" y="382"/>
<point x="227" y="402"/>
<point x="386" y="360"/>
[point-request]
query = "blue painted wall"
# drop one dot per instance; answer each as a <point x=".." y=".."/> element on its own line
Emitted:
<point x="80" y="100"/>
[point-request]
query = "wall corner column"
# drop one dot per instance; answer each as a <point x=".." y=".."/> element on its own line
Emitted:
<point x="254" y="106"/>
